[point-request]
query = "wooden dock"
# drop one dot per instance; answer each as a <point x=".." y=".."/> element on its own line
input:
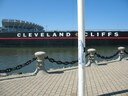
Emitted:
<point x="104" y="80"/>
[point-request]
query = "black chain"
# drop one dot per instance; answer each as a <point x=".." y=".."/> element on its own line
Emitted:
<point x="106" y="57"/>
<point x="18" y="66"/>
<point x="60" y="62"/>
<point x="86" y="55"/>
<point x="125" y="52"/>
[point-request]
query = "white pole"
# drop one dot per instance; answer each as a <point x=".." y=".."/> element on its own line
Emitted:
<point x="81" y="51"/>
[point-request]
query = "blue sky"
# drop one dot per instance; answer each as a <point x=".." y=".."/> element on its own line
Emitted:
<point x="62" y="14"/>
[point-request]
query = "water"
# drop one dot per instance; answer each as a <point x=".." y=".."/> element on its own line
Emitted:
<point x="10" y="57"/>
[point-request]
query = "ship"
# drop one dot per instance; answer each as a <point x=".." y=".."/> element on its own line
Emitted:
<point x="23" y="33"/>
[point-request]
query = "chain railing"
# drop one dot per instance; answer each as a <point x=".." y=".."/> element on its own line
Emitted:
<point x="62" y="62"/>
<point x="40" y="57"/>
<point x="92" y="54"/>
<point x="125" y="52"/>
<point x="18" y="66"/>
<point x="107" y="57"/>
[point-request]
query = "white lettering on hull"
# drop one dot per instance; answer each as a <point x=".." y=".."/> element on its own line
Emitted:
<point x="67" y="34"/>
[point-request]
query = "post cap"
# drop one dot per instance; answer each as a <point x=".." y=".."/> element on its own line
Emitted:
<point x="91" y="50"/>
<point x="39" y="53"/>
<point x="40" y="56"/>
<point x="121" y="48"/>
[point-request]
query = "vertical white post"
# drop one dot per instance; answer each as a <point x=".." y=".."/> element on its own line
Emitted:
<point x="81" y="48"/>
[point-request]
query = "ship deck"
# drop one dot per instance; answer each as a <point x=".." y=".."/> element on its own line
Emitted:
<point x="105" y="80"/>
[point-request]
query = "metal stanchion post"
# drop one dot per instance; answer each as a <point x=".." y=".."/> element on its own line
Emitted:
<point x="40" y="61"/>
<point x="121" y="52"/>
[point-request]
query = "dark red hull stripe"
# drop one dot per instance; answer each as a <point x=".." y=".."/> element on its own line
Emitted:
<point x="67" y="38"/>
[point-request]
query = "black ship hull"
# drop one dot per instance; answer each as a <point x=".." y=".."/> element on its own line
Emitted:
<point x="49" y="39"/>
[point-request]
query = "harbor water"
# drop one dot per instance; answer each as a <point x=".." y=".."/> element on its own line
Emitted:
<point x="13" y="56"/>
